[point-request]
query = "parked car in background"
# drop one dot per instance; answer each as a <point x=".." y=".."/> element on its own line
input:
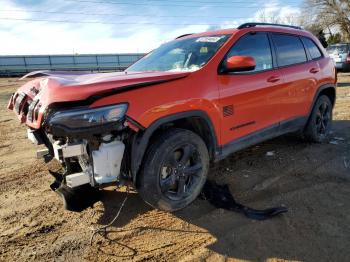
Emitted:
<point x="340" y="53"/>
<point x="190" y="102"/>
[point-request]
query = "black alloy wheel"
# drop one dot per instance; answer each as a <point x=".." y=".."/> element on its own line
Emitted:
<point x="180" y="173"/>
<point x="174" y="170"/>
<point x="323" y="118"/>
<point x="320" y="121"/>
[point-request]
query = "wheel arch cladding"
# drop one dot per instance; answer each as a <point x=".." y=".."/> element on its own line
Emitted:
<point x="197" y="121"/>
<point x="328" y="91"/>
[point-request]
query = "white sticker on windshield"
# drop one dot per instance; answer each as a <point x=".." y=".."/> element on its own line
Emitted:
<point x="209" y="39"/>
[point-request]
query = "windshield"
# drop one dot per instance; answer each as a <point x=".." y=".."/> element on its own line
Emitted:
<point x="182" y="55"/>
<point x="337" y="49"/>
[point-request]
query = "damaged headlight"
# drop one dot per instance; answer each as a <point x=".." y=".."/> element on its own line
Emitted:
<point x="85" y="118"/>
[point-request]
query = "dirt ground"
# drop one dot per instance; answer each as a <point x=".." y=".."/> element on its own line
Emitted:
<point x="312" y="180"/>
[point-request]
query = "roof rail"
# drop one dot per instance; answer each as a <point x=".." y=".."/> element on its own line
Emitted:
<point x="183" y="36"/>
<point x="247" y="25"/>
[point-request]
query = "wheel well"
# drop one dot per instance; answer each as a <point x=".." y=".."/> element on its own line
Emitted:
<point x="195" y="124"/>
<point x="330" y="92"/>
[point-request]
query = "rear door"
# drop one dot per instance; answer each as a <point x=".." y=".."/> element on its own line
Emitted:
<point x="315" y="71"/>
<point x="300" y="75"/>
<point x="250" y="101"/>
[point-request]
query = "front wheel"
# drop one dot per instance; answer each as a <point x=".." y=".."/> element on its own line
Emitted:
<point x="174" y="170"/>
<point x="320" y="121"/>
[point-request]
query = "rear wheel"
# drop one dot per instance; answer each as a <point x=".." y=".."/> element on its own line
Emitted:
<point x="320" y="121"/>
<point x="174" y="170"/>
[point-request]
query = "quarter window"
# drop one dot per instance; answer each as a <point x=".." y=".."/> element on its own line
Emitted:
<point x="257" y="46"/>
<point x="312" y="47"/>
<point x="289" y="49"/>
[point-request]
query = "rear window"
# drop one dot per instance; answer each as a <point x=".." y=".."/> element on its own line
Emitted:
<point x="337" y="49"/>
<point x="312" y="47"/>
<point x="290" y="49"/>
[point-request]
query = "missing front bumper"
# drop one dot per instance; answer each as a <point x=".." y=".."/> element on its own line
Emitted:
<point x="76" y="199"/>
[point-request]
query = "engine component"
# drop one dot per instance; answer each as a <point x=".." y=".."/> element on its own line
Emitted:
<point x="77" y="179"/>
<point x="41" y="153"/>
<point x="107" y="161"/>
<point x="68" y="150"/>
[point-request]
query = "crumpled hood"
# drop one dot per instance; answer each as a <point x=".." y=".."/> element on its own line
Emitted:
<point x="55" y="87"/>
<point x="69" y="86"/>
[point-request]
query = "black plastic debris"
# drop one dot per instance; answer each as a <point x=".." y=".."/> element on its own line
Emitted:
<point x="221" y="197"/>
<point x="75" y="199"/>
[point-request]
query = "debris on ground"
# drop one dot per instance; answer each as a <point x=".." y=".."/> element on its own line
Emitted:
<point x="266" y="183"/>
<point x="220" y="196"/>
<point x="270" y="153"/>
<point x="346" y="164"/>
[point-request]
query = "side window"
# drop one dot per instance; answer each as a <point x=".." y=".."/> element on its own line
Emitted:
<point x="257" y="46"/>
<point x="312" y="47"/>
<point x="289" y="49"/>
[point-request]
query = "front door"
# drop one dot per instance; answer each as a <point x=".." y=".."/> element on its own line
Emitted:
<point x="251" y="101"/>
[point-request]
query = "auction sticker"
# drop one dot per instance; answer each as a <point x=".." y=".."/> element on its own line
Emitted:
<point x="209" y="39"/>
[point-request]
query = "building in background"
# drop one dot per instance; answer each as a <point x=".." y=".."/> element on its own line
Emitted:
<point x="19" y="65"/>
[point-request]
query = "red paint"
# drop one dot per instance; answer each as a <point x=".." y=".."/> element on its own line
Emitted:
<point x="236" y="62"/>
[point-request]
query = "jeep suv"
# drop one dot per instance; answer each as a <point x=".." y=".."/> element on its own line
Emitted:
<point x="187" y="104"/>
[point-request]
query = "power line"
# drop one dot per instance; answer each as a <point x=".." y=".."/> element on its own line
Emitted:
<point x="100" y="22"/>
<point x="116" y="14"/>
<point x="221" y="2"/>
<point x="203" y="2"/>
<point x="214" y="5"/>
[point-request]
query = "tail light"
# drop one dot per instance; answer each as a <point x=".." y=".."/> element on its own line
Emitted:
<point x="348" y="58"/>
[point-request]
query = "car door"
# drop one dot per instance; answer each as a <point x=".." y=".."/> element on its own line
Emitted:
<point x="300" y="75"/>
<point x="250" y="100"/>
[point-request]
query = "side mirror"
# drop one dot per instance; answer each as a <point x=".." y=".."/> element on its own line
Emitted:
<point x="240" y="64"/>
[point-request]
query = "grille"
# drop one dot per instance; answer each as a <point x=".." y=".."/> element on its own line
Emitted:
<point x="18" y="102"/>
<point x="31" y="114"/>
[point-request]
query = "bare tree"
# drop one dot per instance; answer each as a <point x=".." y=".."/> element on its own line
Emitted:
<point x="330" y="13"/>
<point x="276" y="18"/>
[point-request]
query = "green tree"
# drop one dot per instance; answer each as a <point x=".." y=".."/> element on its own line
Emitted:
<point x="334" y="39"/>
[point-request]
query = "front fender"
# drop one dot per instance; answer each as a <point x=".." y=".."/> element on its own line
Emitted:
<point x="141" y="140"/>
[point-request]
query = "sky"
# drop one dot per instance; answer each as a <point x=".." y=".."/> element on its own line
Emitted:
<point x="120" y="26"/>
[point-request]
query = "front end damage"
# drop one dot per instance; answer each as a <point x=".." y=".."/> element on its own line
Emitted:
<point x="90" y="143"/>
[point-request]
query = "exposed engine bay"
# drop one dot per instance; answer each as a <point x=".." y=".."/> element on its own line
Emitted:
<point x="99" y="166"/>
<point x="87" y="163"/>
<point x="90" y="144"/>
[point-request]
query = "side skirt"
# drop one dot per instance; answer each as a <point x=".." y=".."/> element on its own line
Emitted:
<point x="284" y="127"/>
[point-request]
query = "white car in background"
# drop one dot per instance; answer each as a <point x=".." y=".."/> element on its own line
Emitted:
<point x="340" y="53"/>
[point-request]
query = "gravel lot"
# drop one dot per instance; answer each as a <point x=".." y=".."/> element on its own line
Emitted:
<point x="312" y="180"/>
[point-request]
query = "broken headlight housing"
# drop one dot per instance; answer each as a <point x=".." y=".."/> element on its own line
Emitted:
<point x="86" y="119"/>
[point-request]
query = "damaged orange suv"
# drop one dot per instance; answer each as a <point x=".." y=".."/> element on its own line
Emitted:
<point x="192" y="101"/>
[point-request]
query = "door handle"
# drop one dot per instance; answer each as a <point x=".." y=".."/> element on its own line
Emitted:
<point x="273" y="79"/>
<point x="314" y="70"/>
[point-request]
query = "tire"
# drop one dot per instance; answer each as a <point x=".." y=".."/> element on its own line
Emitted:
<point x="174" y="170"/>
<point x="320" y="121"/>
